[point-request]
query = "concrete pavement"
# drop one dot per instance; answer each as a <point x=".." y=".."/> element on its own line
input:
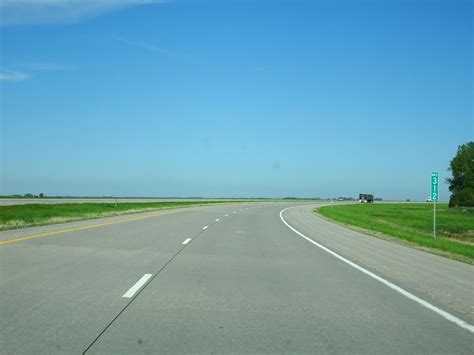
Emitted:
<point x="246" y="284"/>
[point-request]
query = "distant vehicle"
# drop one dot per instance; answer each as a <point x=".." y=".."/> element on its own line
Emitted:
<point x="366" y="198"/>
<point x="428" y="199"/>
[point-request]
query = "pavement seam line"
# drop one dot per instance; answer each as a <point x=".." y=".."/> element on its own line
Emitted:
<point x="446" y="315"/>
<point x="132" y="299"/>
<point x="139" y="292"/>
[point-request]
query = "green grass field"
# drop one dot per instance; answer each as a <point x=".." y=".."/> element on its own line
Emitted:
<point x="413" y="223"/>
<point x="21" y="216"/>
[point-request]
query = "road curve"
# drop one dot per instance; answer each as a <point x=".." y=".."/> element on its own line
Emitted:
<point x="221" y="279"/>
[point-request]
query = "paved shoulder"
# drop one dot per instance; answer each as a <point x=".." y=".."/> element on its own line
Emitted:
<point x="446" y="283"/>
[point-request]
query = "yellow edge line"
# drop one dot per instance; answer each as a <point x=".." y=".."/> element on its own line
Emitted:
<point x="84" y="227"/>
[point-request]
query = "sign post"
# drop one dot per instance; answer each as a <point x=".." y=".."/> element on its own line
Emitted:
<point x="434" y="197"/>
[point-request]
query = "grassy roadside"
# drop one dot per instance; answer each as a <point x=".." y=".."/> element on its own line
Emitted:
<point x="22" y="216"/>
<point x="412" y="224"/>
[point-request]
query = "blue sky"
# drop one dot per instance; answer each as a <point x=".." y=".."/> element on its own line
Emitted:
<point x="233" y="98"/>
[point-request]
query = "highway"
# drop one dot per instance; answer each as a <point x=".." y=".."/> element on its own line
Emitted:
<point x="55" y="201"/>
<point x="234" y="278"/>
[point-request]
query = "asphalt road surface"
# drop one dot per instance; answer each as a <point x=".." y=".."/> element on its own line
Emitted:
<point x="246" y="278"/>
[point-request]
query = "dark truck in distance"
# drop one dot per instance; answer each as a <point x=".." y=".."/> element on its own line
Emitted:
<point x="366" y="198"/>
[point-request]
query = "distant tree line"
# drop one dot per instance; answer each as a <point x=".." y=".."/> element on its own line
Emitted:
<point x="28" y="195"/>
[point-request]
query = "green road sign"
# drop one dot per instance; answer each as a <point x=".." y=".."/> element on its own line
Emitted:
<point x="434" y="186"/>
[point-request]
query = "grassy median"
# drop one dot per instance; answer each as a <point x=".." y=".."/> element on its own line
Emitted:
<point x="413" y="224"/>
<point x="30" y="215"/>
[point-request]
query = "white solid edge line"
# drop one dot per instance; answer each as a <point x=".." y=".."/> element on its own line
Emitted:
<point x="136" y="287"/>
<point x="187" y="241"/>
<point x="205" y="227"/>
<point x="448" y="316"/>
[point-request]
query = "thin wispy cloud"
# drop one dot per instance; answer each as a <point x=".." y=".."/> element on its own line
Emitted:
<point x="24" y="74"/>
<point x="10" y="75"/>
<point x="48" y="67"/>
<point x="27" y="12"/>
<point x="148" y="46"/>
